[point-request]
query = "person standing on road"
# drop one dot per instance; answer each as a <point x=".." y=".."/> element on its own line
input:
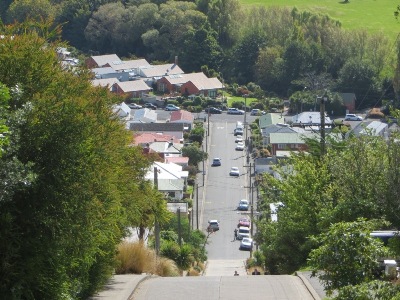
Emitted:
<point x="235" y="234"/>
<point x="236" y="274"/>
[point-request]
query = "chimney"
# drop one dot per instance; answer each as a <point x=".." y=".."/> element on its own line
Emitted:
<point x="176" y="59"/>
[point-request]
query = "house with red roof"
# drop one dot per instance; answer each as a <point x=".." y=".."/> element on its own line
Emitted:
<point x="146" y="138"/>
<point x="183" y="117"/>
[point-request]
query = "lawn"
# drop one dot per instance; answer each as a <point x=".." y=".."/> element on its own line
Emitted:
<point x="375" y="16"/>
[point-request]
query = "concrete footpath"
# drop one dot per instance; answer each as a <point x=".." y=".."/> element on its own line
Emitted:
<point x="122" y="287"/>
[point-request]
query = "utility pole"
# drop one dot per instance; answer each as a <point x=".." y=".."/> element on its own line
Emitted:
<point x="179" y="227"/>
<point x="208" y="121"/>
<point x="156" y="225"/>
<point x="197" y="206"/>
<point x="323" y="99"/>
<point x="204" y="171"/>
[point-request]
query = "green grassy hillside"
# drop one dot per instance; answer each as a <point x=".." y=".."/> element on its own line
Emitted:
<point x="373" y="15"/>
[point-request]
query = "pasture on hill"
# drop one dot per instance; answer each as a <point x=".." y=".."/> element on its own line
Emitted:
<point x="372" y="15"/>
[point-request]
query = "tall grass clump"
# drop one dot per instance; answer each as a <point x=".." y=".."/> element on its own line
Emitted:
<point x="136" y="258"/>
<point x="166" y="267"/>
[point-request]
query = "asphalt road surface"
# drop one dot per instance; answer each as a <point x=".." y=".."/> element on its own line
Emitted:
<point x="221" y="194"/>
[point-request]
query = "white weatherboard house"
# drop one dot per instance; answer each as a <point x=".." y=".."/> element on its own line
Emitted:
<point x="171" y="179"/>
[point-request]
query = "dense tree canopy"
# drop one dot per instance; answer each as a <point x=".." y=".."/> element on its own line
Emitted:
<point x="70" y="185"/>
<point x="272" y="47"/>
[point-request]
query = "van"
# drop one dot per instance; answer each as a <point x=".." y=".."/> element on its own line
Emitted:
<point x="243" y="232"/>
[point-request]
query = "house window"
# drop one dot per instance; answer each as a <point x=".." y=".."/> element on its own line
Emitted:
<point x="162" y="87"/>
<point x="281" y="146"/>
<point x="212" y="94"/>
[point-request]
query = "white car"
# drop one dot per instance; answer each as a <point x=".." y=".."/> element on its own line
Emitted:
<point x="216" y="162"/>
<point x="213" y="225"/>
<point x="234" y="171"/>
<point x="352" y="117"/>
<point x="235" y="111"/>
<point x="134" y="106"/>
<point x="239" y="139"/>
<point x="238" y="131"/>
<point x="239" y="147"/>
<point x="255" y="112"/>
<point x="243" y="205"/>
<point x="246" y="244"/>
<point x="171" y="107"/>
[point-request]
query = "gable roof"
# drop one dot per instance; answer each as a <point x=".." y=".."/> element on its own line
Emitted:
<point x="276" y="128"/>
<point x="166" y="147"/>
<point x="133" y="86"/>
<point x="171" y="184"/>
<point x="157" y="127"/>
<point x="309" y="118"/>
<point x="287" y="138"/>
<point x="270" y="119"/>
<point x="102" y="60"/>
<point x="203" y="84"/>
<point x="106" y="82"/>
<point x="160" y="70"/>
<point x="150" y="137"/>
<point x="177" y="159"/>
<point x="144" y="115"/>
<point x="181" y="115"/>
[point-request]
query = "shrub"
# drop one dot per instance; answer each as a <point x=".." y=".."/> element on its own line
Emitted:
<point x="193" y="272"/>
<point x="375" y="113"/>
<point x="166" y="268"/>
<point x="134" y="258"/>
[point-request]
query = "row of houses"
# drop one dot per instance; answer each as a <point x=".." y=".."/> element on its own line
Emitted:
<point x="285" y="135"/>
<point x="137" y="78"/>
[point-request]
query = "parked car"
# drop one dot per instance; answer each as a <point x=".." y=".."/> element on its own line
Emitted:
<point x="235" y="111"/>
<point x="234" y="171"/>
<point x="213" y="110"/>
<point x="243" y="232"/>
<point x="213" y="225"/>
<point x="239" y="139"/>
<point x="216" y="162"/>
<point x="239" y="146"/>
<point x="150" y="106"/>
<point x="244" y="222"/>
<point x="243" y="205"/>
<point x="255" y="112"/>
<point x="134" y="106"/>
<point x="246" y="243"/>
<point x="352" y="117"/>
<point x="238" y="131"/>
<point x="171" y="107"/>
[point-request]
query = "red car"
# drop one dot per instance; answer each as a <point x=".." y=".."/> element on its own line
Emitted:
<point x="244" y="222"/>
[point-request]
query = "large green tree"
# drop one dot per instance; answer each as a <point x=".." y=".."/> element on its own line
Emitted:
<point x="75" y="183"/>
<point x="348" y="255"/>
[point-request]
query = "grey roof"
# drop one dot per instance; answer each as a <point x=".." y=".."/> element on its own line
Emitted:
<point x="102" y="60"/>
<point x="310" y="118"/>
<point x="129" y="64"/>
<point x="277" y="128"/>
<point x="160" y="70"/>
<point x="157" y="127"/>
<point x="170" y="184"/>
